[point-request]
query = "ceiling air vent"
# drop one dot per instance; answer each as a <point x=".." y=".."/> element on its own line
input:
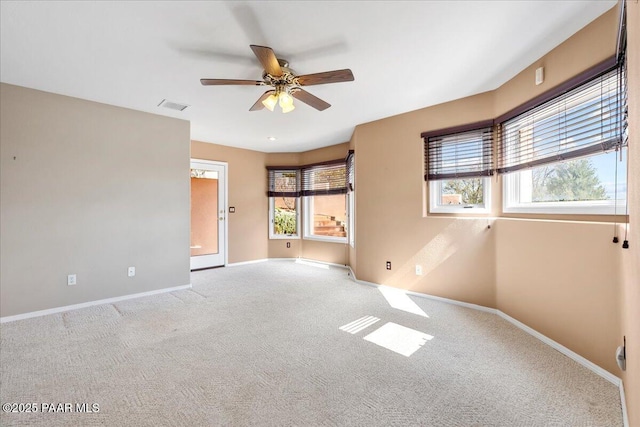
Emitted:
<point x="172" y="105"/>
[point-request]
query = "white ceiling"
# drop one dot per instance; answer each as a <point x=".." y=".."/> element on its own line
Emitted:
<point x="404" y="56"/>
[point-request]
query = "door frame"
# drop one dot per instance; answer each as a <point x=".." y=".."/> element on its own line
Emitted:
<point x="225" y="167"/>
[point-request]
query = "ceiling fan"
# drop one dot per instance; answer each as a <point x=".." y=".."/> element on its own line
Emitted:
<point x="284" y="82"/>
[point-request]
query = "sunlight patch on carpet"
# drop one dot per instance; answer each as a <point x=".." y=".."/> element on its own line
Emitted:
<point x="402" y="340"/>
<point x="360" y="324"/>
<point x="398" y="299"/>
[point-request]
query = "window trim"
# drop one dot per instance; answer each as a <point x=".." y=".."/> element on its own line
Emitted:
<point x="435" y="191"/>
<point x="351" y="218"/>
<point x="484" y="131"/>
<point x="308" y="223"/>
<point x="272" y="234"/>
<point x="351" y="201"/>
<point x="512" y="172"/>
<point x="511" y="193"/>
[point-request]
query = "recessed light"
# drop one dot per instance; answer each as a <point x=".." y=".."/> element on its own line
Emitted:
<point x="271" y="138"/>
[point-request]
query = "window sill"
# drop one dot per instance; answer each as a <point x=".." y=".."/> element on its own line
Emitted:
<point x="567" y="208"/>
<point x="284" y="237"/>
<point x="328" y="239"/>
<point x="459" y="210"/>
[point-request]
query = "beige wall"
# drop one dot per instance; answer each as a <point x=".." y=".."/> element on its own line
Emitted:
<point x="630" y="295"/>
<point x="333" y="152"/>
<point x="247" y="192"/>
<point x="88" y="189"/>
<point x="390" y="225"/>
<point x="335" y="253"/>
<point x="560" y="278"/>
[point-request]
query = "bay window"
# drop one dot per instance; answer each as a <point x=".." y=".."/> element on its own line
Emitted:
<point x="323" y="189"/>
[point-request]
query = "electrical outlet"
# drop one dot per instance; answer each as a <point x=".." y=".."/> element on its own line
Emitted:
<point x="71" y="279"/>
<point x="288" y="244"/>
<point x="132" y="271"/>
<point x="418" y="270"/>
<point x="388" y="265"/>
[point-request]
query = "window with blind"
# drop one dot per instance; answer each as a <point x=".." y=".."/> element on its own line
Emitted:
<point x="284" y="202"/>
<point x="457" y="164"/>
<point x="324" y="187"/>
<point x="568" y="155"/>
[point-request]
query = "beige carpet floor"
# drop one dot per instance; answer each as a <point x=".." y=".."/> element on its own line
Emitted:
<point x="287" y="344"/>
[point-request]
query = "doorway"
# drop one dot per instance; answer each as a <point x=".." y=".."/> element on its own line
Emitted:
<point x="208" y="214"/>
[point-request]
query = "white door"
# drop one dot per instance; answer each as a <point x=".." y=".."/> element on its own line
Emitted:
<point x="208" y="214"/>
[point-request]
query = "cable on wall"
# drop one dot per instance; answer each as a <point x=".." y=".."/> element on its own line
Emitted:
<point x="625" y="242"/>
<point x="615" y="204"/>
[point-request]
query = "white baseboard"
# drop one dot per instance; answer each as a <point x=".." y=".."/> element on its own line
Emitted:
<point x="362" y="282"/>
<point x="454" y="302"/>
<point x="89" y="304"/>
<point x="313" y="261"/>
<point x="431" y="297"/>
<point x="562" y="349"/>
<point x="255" y="261"/>
<point x="623" y="402"/>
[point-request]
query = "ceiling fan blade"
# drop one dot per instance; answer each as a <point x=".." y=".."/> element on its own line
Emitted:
<point x="268" y="60"/>
<point x="336" y="76"/>
<point x="312" y="100"/>
<point x="259" y="105"/>
<point x="228" y="82"/>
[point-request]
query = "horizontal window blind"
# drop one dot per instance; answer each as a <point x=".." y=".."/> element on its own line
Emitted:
<point x="324" y="179"/>
<point x="351" y="171"/>
<point x="284" y="182"/>
<point x="466" y="154"/>
<point x="586" y="120"/>
<point x="624" y="106"/>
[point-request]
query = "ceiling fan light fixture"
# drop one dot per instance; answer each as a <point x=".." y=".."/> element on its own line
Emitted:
<point x="270" y="102"/>
<point x="285" y="99"/>
<point x="284" y="81"/>
<point x="288" y="108"/>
